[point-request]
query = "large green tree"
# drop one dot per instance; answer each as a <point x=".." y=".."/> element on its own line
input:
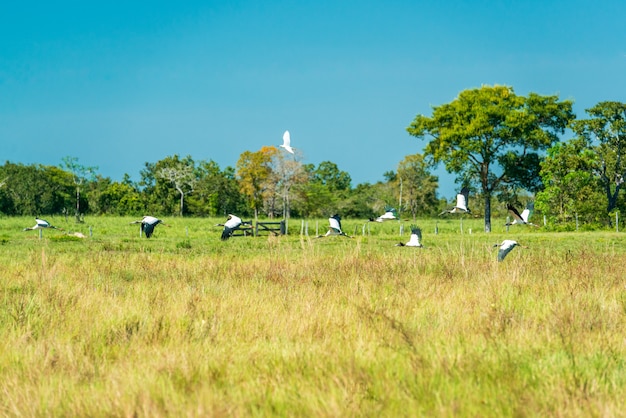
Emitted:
<point x="328" y="174"/>
<point x="115" y="198"/>
<point x="165" y="183"/>
<point x="325" y="192"/>
<point x="35" y="189"/>
<point x="571" y="188"/>
<point x="216" y="192"/>
<point x="181" y="174"/>
<point x="605" y="133"/>
<point x="486" y="135"/>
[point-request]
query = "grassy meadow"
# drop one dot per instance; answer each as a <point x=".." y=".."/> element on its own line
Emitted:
<point x="185" y="325"/>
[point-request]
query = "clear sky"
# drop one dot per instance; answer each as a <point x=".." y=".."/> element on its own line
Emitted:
<point x="118" y="84"/>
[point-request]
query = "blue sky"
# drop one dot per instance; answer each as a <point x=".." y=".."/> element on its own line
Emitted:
<point x="118" y="84"/>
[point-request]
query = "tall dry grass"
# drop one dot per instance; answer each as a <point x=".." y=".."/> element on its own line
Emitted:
<point x="185" y="325"/>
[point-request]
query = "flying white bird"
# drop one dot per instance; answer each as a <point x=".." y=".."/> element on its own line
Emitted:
<point x="148" y="223"/>
<point x="461" y="203"/>
<point x="42" y="224"/>
<point x="389" y="215"/>
<point x="520" y="218"/>
<point x="232" y="223"/>
<point x="335" y="227"/>
<point x="287" y="142"/>
<point x="505" y="247"/>
<point x="415" y="240"/>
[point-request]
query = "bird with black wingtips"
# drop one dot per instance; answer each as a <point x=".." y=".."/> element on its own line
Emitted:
<point x="462" y="199"/>
<point x="148" y="223"/>
<point x="506" y="247"/>
<point x="232" y="223"/>
<point x="415" y="240"/>
<point x="390" y="215"/>
<point x="287" y="142"/>
<point x="520" y="218"/>
<point x="335" y="227"/>
<point x="42" y="224"/>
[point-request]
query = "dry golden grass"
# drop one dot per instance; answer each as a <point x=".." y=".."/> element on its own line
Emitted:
<point x="185" y="325"/>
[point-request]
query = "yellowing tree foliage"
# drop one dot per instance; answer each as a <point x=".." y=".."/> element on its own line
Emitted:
<point x="253" y="170"/>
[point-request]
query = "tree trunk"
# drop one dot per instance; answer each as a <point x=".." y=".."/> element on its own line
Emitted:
<point x="611" y="197"/>
<point x="77" y="214"/>
<point x="487" y="212"/>
<point x="182" y="198"/>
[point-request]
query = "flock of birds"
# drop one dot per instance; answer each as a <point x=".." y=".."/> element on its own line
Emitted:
<point x="461" y="206"/>
<point x="233" y="223"/>
<point x="148" y="223"/>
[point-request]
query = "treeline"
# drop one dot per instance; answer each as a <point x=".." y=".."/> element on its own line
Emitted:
<point x="264" y="183"/>
<point x="504" y="147"/>
<point x="501" y="145"/>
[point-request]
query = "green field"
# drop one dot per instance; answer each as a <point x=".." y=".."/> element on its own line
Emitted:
<point x="183" y="324"/>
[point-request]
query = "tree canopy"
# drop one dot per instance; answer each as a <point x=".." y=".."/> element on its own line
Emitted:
<point x="503" y="146"/>
<point x="490" y="136"/>
<point x="605" y="133"/>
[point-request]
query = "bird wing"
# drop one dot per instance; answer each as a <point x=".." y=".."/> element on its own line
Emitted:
<point x="462" y="198"/>
<point x="505" y="248"/>
<point x="335" y="222"/>
<point x="416" y="237"/>
<point x="233" y="222"/>
<point x="386" y="216"/>
<point x="150" y="220"/>
<point x="227" y="232"/>
<point x="390" y="209"/>
<point x="530" y="207"/>
<point x="286" y="139"/>
<point x="413" y="241"/>
<point x="515" y="213"/>
<point x="42" y="223"/>
<point x="525" y="215"/>
<point x="147" y="228"/>
<point x="418" y="232"/>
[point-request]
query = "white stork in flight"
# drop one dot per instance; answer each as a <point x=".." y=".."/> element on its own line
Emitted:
<point x="287" y="142"/>
<point x="390" y="215"/>
<point x="505" y="247"/>
<point x="232" y="223"/>
<point x="461" y="203"/>
<point x="42" y="224"/>
<point x="520" y="218"/>
<point x="415" y="240"/>
<point x="148" y="223"/>
<point x="335" y="227"/>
